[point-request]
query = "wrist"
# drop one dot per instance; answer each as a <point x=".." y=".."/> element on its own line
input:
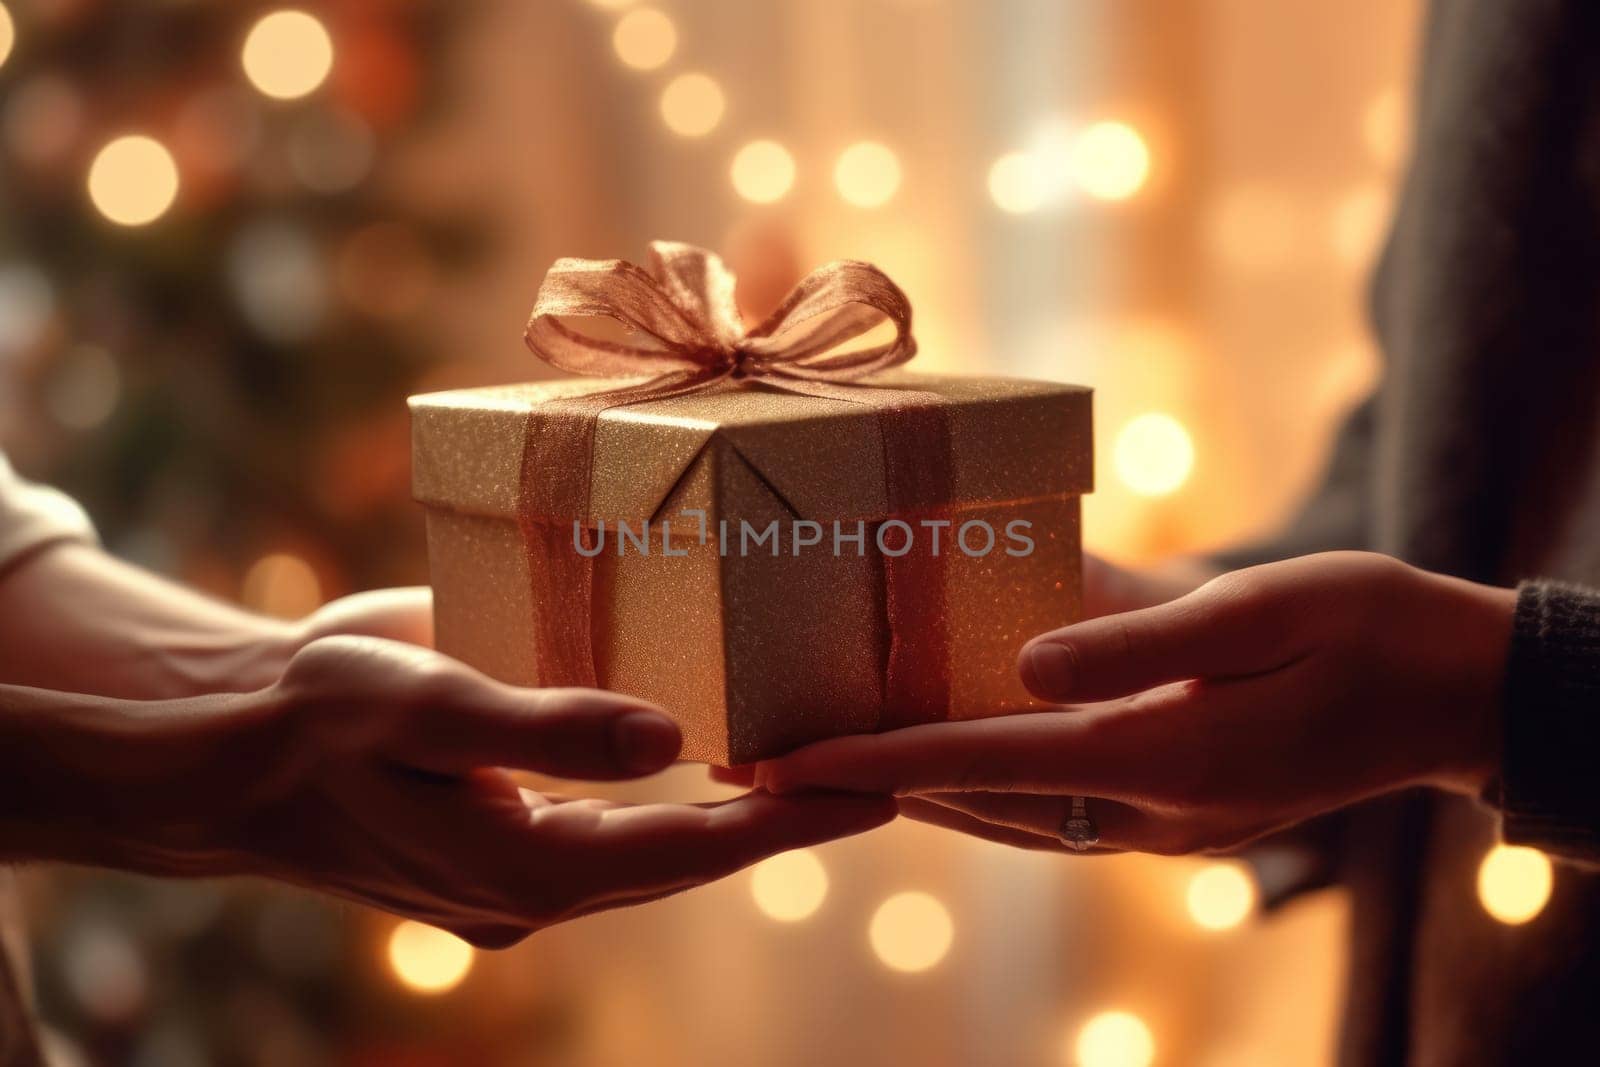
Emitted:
<point x="1475" y="708"/>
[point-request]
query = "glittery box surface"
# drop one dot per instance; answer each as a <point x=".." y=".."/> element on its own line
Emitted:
<point x="758" y="653"/>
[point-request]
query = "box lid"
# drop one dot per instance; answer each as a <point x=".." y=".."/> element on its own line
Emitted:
<point x="821" y="458"/>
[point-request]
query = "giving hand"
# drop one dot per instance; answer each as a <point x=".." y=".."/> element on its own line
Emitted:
<point x="1264" y="697"/>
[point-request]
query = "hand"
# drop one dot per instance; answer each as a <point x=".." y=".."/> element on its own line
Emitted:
<point x="365" y="771"/>
<point x="1265" y="697"/>
<point x="402" y="614"/>
<point x="1108" y="589"/>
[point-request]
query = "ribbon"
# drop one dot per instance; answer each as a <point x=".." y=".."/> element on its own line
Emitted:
<point x="683" y="307"/>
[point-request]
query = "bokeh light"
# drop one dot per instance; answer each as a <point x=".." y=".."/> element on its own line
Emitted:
<point x="331" y="151"/>
<point x="692" y="104"/>
<point x="645" y="39"/>
<point x="278" y="275"/>
<point x="1110" y="161"/>
<point x="282" y="585"/>
<point x="8" y="34"/>
<point x="44" y="119"/>
<point x="85" y="388"/>
<point x="1153" y="454"/>
<point x="1114" y="1039"/>
<point x="867" y="174"/>
<point x="105" y="972"/>
<point x="1514" y="883"/>
<point x="287" y="54"/>
<point x="426" y="959"/>
<point x="1357" y="224"/>
<point x="911" y="931"/>
<point x="1220" y="896"/>
<point x="1017" y="183"/>
<point x="762" y="172"/>
<point x="218" y="130"/>
<point x="611" y="5"/>
<point x="1385" y="127"/>
<point x="790" y="886"/>
<point x="133" y="180"/>
<point x="27" y="305"/>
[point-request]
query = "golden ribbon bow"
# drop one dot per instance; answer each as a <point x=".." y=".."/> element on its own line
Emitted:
<point x="685" y="301"/>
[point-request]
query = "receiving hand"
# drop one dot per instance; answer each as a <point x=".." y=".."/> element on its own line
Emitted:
<point x="1264" y="697"/>
<point x="366" y="771"/>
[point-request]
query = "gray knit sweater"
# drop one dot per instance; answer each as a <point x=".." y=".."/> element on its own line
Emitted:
<point x="1477" y="457"/>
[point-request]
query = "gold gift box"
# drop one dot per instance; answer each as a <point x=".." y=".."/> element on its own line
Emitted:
<point x="754" y="653"/>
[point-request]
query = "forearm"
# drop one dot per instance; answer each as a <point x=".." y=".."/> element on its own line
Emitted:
<point x="80" y="620"/>
<point x="136" y="785"/>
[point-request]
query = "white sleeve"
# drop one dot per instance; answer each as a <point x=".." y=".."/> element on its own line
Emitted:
<point x="33" y="515"/>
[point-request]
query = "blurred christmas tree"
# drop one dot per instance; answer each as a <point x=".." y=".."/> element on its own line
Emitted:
<point x="210" y="293"/>
<point x="208" y="287"/>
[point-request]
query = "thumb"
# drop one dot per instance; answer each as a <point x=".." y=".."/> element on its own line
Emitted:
<point x="429" y="711"/>
<point x="1224" y="628"/>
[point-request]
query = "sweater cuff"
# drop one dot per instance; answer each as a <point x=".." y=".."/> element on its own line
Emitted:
<point x="1548" y="792"/>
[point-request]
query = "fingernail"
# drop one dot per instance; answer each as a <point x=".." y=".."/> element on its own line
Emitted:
<point x="1047" y="669"/>
<point x="645" y="741"/>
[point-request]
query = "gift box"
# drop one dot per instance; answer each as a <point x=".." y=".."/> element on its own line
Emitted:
<point x="774" y="560"/>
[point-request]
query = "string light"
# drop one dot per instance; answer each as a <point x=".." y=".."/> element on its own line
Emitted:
<point x="692" y="105"/>
<point x="1220" y="896"/>
<point x="644" y="39"/>
<point x="867" y="174"/>
<point x="133" y="180"/>
<point x="426" y="959"/>
<point x="790" y="886"/>
<point x="1514" y="883"/>
<point x="8" y="34"/>
<point x="911" y="931"/>
<point x="1110" y="161"/>
<point x="1153" y="454"/>
<point x="281" y="585"/>
<point x="1017" y="183"/>
<point x="287" y="54"/>
<point x="1114" y="1039"/>
<point x="763" y="172"/>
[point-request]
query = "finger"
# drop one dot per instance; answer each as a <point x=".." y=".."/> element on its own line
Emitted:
<point x="743" y="775"/>
<point x="1120" y="826"/>
<point x="1094" y="751"/>
<point x="567" y="733"/>
<point x="403" y="614"/>
<point x="926" y="811"/>
<point x="428" y="711"/>
<point x="1210" y="633"/>
<point x="664" y="847"/>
